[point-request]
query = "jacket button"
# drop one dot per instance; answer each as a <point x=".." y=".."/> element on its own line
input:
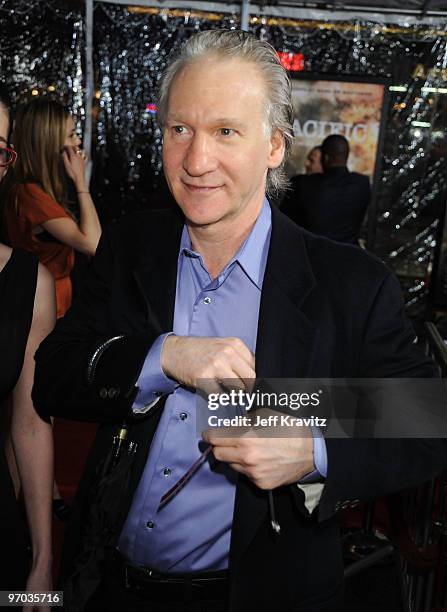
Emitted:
<point x="103" y="393"/>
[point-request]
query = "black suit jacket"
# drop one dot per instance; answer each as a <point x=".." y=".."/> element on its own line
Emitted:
<point x="334" y="312"/>
<point x="332" y="204"/>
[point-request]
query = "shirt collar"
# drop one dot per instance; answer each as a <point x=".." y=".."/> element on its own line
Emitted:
<point x="252" y="254"/>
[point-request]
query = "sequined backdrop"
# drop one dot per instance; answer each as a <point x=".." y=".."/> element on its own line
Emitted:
<point x="130" y="50"/>
<point x="41" y="50"/>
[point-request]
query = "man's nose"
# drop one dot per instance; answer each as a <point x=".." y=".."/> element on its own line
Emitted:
<point x="200" y="156"/>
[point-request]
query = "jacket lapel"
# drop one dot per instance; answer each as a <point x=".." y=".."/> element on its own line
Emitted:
<point x="285" y="335"/>
<point x="284" y="349"/>
<point x="156" y="274"/>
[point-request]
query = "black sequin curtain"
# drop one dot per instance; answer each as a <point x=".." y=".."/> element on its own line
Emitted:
<point x="411" y="189"/>
<point x="41" y="51"/>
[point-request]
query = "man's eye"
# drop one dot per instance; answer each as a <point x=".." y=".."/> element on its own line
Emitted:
<point x="226" y="131"/>
<point x="179" y="129"/>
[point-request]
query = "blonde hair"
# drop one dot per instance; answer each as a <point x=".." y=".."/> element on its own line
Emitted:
<point x="39" y="135"/>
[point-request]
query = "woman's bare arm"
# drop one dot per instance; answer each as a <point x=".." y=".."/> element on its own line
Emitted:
<point x="85" y="237"/>
<point x="67" y="231"/>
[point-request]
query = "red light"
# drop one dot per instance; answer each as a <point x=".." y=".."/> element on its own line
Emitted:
<point x="294" y="62"/>
<point x="151" y="108"/>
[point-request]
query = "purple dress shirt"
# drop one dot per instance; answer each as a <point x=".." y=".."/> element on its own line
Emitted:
<point x="192" y="533"/>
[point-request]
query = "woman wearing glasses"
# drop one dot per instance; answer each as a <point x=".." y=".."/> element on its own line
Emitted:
<point x="27" y="315"/>
<point x="37" y="215"/>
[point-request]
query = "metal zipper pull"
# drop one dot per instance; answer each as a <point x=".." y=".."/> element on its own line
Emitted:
<point x="273" y="522"/>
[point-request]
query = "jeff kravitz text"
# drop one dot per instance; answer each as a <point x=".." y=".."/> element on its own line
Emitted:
<point x="273" y="420"/>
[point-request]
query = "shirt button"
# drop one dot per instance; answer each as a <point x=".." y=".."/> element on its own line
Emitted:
<point x="183" y="416"/>
<point x="150" y="525"/>
<point x="207" y="300"/>
<point x="166" y="472"/>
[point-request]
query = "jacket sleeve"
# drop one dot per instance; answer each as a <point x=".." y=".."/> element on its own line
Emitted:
<point x="368" y="468"/>
<point x="86" y="368"/>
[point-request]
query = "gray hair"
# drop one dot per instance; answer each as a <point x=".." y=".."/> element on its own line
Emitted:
<point x="236" y="43"/>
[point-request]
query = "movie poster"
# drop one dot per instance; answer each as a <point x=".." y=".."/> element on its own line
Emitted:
<point x="323" y="107"/>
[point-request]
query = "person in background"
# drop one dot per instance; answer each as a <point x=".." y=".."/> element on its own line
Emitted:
<point x="27" y="315"/>
<point x="313" y="161"/>
<point x="334" y="203"/>
<point x="312" y="165"/>
<point x="38" y="218"/>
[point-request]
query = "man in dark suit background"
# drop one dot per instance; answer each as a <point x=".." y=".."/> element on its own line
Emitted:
<point x="178" y="302"/>
<point x="334" y="203"/>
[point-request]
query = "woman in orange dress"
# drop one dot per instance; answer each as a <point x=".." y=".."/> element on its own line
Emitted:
<point x="37" y="215"/>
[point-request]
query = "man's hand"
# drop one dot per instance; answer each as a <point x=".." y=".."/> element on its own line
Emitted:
<point x="268" y="462"/>
<point x="205" y="362"/>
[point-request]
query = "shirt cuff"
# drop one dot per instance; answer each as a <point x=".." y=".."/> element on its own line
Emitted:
<point x="153" y="383"/>
<point x="320" y="458"/>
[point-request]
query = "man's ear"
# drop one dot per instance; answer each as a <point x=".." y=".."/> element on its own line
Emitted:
<point x="277" y="149"/>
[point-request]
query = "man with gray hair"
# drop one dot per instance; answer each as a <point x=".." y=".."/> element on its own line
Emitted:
<point x="204" y="300"/>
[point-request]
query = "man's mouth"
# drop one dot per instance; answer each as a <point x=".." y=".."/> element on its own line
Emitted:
<point x="201" y="188"/>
